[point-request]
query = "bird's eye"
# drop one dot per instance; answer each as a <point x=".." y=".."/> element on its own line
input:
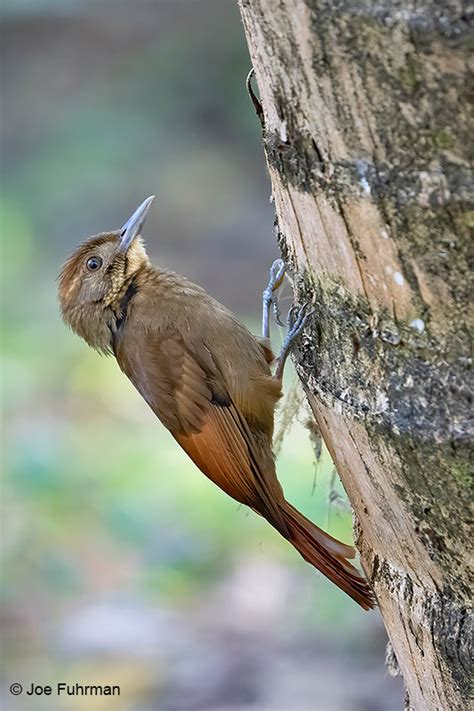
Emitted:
<point x="94" y="263"/>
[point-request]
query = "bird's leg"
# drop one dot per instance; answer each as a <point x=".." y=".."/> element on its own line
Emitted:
<point x="296" y="322"/>
<point x="277" y="272"/>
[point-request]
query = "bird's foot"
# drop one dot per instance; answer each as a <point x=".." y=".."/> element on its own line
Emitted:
<point x="296" y="321"/>
<point x="270" y="299"/>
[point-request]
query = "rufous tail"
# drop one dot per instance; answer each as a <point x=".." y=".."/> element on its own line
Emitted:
<point x="327" y="555"/>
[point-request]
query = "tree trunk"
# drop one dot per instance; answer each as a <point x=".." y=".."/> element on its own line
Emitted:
<point x="366" y="138"/>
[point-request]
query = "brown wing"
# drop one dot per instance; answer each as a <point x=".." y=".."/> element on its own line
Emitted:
<point x="187" y="391"/>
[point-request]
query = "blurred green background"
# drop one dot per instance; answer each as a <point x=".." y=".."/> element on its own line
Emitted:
<point x="121" y="563"/>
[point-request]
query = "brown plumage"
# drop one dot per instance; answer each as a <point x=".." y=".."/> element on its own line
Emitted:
<point x="204" y="375"/>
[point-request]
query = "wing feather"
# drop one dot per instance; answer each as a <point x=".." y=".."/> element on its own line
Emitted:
<point x="187" y="391"/>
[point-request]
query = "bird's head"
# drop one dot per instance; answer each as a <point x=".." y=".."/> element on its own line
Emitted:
<point x="97" y="275"/>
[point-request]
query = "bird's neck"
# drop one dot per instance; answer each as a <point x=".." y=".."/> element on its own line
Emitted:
<point x="92" y="322"/>
<point x="98" y="322"/>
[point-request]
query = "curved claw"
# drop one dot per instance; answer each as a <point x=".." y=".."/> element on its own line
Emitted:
<point x="277" y="312"/>
<point x="298" y="323"/>
<point x="255" y="101"/>
<point x="291" y="317"/>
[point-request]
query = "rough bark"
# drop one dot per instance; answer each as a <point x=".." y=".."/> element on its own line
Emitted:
<point x="366" y="136"/>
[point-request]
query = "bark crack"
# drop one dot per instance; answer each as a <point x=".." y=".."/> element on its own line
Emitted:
<point x="300" y="231"/>
<point x="355" y="249"/>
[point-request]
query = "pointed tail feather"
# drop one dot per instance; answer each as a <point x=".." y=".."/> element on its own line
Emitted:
<point x="327" y="555"/>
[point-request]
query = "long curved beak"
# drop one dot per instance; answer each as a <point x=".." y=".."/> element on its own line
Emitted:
<point x="134" y="224"/>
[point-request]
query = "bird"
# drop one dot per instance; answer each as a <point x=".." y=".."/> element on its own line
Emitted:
<point x="206" y="377"/>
